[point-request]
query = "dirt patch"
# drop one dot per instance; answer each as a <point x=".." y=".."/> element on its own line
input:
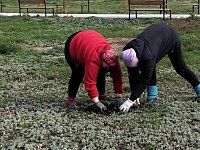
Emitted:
<point x="58" y="57"/>
<point x="185" y="23"/>
<point x="42" y="49"/>
<point x="25" y="46"/>
<point x="118" y="43"/>
<point x="39" y="49"/>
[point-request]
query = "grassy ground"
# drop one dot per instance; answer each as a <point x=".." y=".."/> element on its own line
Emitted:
<point x="102" y="6"/>
<point x="33" y="86"/>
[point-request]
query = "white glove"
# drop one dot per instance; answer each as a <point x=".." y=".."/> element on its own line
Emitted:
<point x="128" y="103"/>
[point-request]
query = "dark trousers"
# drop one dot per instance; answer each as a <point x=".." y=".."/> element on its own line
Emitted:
<point x="78" y="73"/>
<point x="176" y="58"/>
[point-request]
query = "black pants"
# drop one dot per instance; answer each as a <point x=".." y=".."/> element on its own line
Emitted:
<point x="78" y="73"/>
<point x="176" y="58"/>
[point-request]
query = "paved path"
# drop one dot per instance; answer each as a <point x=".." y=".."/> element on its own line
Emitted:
<point x="105" y="15"/>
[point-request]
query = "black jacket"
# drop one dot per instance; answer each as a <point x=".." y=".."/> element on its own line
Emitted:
<point x="150" y="46"/>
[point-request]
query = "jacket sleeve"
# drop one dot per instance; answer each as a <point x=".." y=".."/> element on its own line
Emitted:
<point x="147" y="69"/>
<point x="116" y="75"/>
<point x="90" y="79"/>
<point x="138" y="81"/>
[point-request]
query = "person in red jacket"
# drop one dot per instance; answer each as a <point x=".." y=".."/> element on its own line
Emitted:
<point x="90" y="57"/>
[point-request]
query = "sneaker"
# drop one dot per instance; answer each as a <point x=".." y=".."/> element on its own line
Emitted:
<point x="197" y="99"/>
<point x="150" y="102"/>
<point x="70" y="104"/>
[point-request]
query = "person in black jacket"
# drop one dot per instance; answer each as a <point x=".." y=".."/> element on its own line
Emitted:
<point x="143" y="53"/>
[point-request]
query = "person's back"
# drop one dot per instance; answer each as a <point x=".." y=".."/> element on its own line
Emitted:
<point x="160" y="38"/>
<point x="87" y="45"/>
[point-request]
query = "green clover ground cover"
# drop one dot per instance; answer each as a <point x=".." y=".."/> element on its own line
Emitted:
<point x="33" y="86"/>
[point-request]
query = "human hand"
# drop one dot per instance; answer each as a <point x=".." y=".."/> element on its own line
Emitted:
<point x="118" y="101"/>
<point x="128" y="103"/>
<point x="101" y="106"/>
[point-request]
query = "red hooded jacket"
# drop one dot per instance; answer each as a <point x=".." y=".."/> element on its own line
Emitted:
<point x="85" y="49"/>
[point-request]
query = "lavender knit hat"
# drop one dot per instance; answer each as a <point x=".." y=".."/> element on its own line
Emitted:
<point x="129" y="57"/>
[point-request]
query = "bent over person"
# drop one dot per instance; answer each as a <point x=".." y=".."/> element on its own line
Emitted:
<point x="90" y="57"/>
<point x="143" y="53"/>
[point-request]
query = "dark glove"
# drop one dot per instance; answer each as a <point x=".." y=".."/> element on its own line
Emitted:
<point x="101" y="106"/>
<point x="118" y="102"/>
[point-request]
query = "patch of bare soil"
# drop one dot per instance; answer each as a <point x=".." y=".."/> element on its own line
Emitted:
<point x="42" y="49"/>
<point x="118" y="43"/>
<point x="58" y="57"/>
<point x="39" y="49"/>
<point x="185" y="23"/>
